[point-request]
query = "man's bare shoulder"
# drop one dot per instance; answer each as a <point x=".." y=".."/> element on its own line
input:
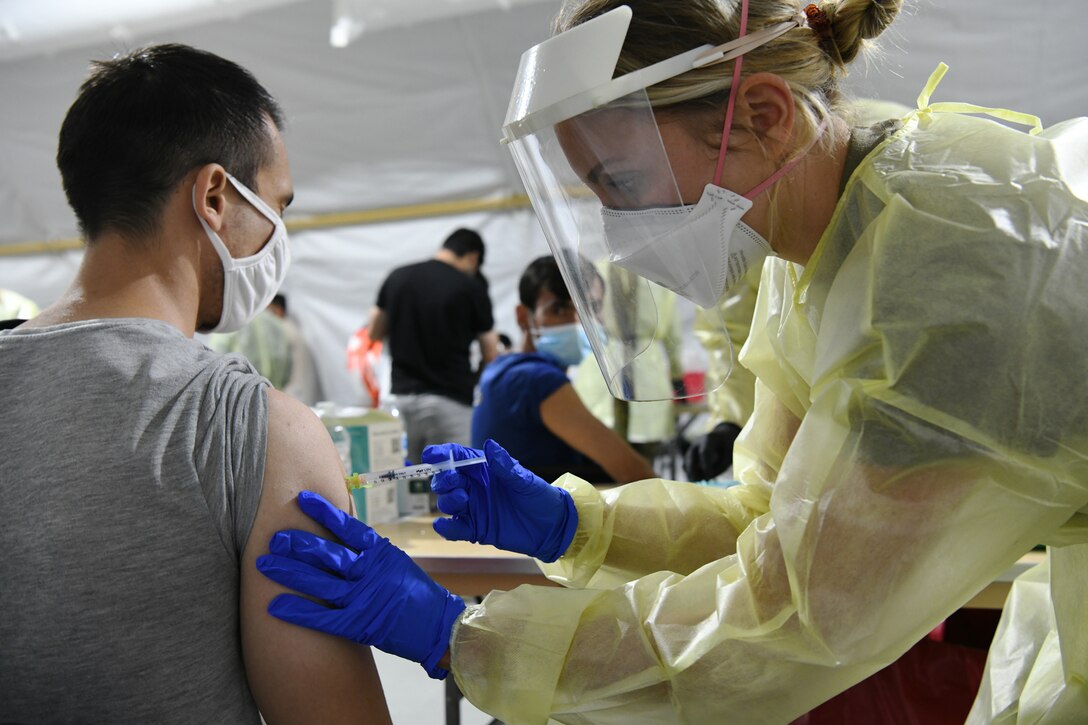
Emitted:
<point x="301" y="455"/>
<point x="298" y="675"/>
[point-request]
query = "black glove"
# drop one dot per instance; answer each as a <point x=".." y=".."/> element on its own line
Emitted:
<point x="679" y="391"/>
<point x="708" y="456"/>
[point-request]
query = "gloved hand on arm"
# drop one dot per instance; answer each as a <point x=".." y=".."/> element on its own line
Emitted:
<point x="500" y="503"/>
<point x="375" y="594"/>
<point x="712" y="454"/>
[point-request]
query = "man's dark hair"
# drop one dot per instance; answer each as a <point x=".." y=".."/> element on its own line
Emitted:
<point x="542" y="273"/>
<point x="280" y="301"/>
<point x="144" y="120"/>
<point x="465" y="241"/>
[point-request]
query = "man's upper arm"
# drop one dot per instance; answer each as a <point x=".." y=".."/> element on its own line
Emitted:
<point x="376" y="324"/>
<point x="489" y="346"/>
<point x="564" y="414"/>
<point x="481" y="302"/>
<point x="297" y="674"/>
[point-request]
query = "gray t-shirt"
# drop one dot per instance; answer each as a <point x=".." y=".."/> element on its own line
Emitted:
<point x="131" y="465"/>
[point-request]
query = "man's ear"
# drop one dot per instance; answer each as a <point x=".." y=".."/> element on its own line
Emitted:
<point x="472" y="262"/>
<point x="765" y="105"/>
<point x="521" y="312"/>
<point x="211" y="194"/>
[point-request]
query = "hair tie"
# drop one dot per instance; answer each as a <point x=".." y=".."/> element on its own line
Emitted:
<point x="818" y="21"/>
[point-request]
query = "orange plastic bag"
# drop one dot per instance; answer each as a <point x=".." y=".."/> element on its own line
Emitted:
<point x="364" y="356"/>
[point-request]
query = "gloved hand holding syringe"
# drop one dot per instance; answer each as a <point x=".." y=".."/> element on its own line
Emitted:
<point x="423" y="470"/>
<point x="499" y="503"/>
<point x="373" y="592"/>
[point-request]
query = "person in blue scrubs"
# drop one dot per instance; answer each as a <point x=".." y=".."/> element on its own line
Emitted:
<point x="527" y="403"/>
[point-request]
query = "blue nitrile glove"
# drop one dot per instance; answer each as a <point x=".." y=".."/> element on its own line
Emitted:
<point x="376" y="594"/>
<point x="500" y="503"/>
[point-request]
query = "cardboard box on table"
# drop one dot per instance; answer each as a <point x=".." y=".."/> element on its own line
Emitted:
<point x="376" y="444"/>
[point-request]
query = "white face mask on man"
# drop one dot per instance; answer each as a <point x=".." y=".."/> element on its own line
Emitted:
<point x="249" y="283"/>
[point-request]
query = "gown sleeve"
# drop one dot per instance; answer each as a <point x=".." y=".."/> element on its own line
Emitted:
<point x="859" y="556"/>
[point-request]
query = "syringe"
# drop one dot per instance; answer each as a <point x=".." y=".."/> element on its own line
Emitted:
<point x="423" y="470"/>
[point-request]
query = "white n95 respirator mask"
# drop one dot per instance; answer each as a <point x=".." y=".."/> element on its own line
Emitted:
<point x="697" y="251"/>
<point x="249" y="283"/>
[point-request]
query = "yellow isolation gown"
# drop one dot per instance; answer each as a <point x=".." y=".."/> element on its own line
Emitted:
<point x="920" y="423"/>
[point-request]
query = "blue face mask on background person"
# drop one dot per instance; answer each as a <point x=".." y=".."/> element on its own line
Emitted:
<point x="566" y="343"/>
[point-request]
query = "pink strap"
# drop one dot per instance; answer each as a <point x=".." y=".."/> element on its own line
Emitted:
<point x="766" y="183"/>
<point x="762" y="186"/>
<point x="732" y="95"/>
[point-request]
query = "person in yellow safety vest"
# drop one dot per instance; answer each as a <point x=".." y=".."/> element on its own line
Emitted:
<point x="14" y="306"/>
<point x="264" y="343"/>
<point x="273" y="343"/>
<point x="919" y="423"/>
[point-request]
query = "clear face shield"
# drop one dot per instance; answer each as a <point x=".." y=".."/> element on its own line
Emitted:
<point x="638" y="262"/>
<point x="605" y="193"/>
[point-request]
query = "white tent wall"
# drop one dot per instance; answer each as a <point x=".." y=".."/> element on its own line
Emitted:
<point x="335" y="276"/>
<point x="41" y="277"/>
<point x="410" y="114"/>
<point x="403" y="116"/>
<point x="1025" y="55"/>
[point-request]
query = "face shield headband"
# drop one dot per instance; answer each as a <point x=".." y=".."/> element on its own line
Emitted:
<point x="528" y="115"/>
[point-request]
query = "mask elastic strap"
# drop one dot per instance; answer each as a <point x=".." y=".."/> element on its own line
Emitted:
<point x="766" y="183"/>
<point x="258" y="203"/>
<point x="732" y="95"/>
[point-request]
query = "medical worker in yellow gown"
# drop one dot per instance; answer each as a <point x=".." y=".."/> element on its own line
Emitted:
<point x="723" y="329"/>
<point x="919" y="341"/>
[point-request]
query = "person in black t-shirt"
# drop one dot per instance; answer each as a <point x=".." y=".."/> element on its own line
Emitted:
<point x="431" y="312"/>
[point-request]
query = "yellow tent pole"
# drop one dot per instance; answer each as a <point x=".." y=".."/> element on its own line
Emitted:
<point x="323" y="221"/>
<point x="50" y="247"/>
<point x="404" y="213"/>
